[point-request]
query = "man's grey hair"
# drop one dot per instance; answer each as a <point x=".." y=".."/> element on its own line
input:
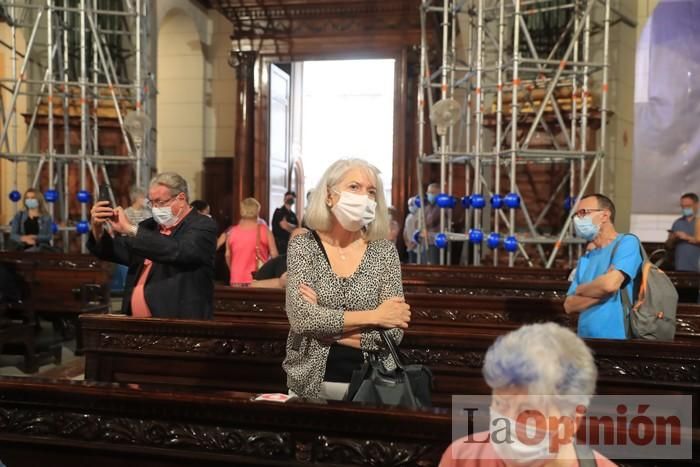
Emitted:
<point x="546" y="359"/>
<point x="318" y="214"/>
<point x="173" y="181"/>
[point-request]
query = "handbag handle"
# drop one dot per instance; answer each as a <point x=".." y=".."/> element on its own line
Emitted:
<point x="257" y="240"/>
<point x="391" y="345"/>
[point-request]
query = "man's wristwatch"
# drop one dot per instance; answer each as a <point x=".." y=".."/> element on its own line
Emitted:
<point x="133" y="229"/>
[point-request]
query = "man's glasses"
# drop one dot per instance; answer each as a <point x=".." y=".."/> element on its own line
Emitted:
<point x="159" y="204"/>
<point x="585" y="212"/>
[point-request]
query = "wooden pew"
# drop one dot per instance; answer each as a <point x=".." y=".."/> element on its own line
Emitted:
<point x="438" y="310"/>
<point x="425" y="272"/>
<point x="513" y="312"/>
<point x="85" y="424"/>
<point x="61" y="287"/>
<point x="532" y="282"/>
<point x="247" y="355"/>
<point x="61" y="283"/>
<point x="641" y="367"/>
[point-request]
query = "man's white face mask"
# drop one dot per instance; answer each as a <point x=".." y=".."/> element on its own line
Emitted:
<point x="164" y="216"/>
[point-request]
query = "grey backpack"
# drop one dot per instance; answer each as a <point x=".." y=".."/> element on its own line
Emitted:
<point x="653" y="314"/>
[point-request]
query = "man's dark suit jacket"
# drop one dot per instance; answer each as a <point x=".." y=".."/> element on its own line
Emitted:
<point x="181" y="281"/>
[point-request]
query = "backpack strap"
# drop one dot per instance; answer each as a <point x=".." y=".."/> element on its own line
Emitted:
<point x="585" y="455"/>
<point x="614" y="250"/>
<point x="643" y="275"/>
<point x="641" y="248"/>
<point x="645" y="259"/>
<point x="626" y="300"/>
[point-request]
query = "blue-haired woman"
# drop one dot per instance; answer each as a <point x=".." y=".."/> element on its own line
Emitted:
<point x="537" y="374"/>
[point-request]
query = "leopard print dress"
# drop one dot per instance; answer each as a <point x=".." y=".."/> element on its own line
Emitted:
<point x="377" y="278"/>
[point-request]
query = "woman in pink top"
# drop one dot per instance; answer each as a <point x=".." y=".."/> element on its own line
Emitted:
<point x="542" y="377"/>
<point x="248" y="243"/>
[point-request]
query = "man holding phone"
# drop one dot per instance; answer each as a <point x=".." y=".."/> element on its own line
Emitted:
<point x="170" y="256"/>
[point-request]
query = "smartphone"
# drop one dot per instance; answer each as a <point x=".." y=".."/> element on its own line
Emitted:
<point x="104" y="196"/>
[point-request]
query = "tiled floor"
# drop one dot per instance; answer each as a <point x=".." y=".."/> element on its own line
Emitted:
<point x="10" y="364"/>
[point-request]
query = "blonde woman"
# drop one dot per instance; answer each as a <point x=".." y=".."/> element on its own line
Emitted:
<point x="30" y="229"/>
<point x="248" y="244"/>
<point x="343" y="283"/>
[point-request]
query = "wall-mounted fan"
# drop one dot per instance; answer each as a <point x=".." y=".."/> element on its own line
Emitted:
<point x="444" y="114"/>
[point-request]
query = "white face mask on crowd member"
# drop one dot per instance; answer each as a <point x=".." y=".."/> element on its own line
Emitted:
<point x="164" y="210"/>
<point x="587" y="220"/>
<point x="164" y="216"/>
<point x="507" y="443"/>
<point x="354" y="211"/>
<point x="688" y="205"/>
<point x="586" y="228"/>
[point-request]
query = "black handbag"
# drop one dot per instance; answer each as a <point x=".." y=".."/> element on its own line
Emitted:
<point x="405" y="386"/>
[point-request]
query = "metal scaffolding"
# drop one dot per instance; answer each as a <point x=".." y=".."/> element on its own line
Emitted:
<point x="86" y="66"/>
<point x="504" y="88"/>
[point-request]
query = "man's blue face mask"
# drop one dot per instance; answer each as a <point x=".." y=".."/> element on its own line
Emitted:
<point x="688" y="212"/>
<point x="431" y="198"/>
<point x="585" y="228"/>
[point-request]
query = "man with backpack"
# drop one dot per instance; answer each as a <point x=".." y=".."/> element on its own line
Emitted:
<point x="595" y="291"/>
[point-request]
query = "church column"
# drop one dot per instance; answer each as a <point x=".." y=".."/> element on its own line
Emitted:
<point x="243" y="159"/>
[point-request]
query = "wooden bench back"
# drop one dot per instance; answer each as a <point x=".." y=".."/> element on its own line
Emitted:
<point x="430" y="310"/>
<point x="56" y="282"/>
<point x="247" y="355"/>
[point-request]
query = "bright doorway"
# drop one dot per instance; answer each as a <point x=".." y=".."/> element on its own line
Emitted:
<point x="335" y="109"/>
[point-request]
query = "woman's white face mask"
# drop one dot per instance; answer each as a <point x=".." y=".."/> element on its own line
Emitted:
<point x="515" y="450"/>
<point x="354" y="211"/>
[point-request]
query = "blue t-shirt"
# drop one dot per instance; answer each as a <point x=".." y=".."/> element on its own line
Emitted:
<point x="687" y="254"/>
<point x="604" y="320"/>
